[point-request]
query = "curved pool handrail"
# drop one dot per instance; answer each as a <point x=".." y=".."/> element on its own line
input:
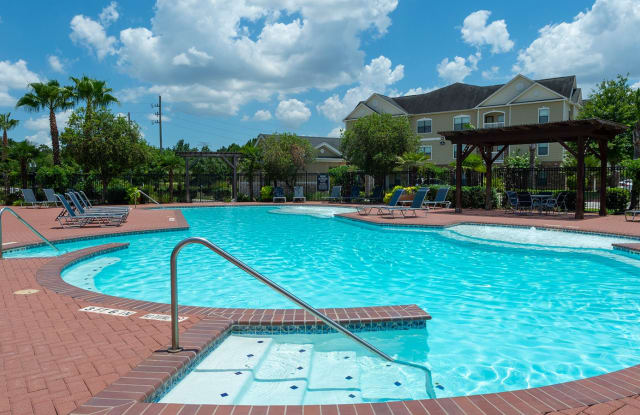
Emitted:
<point x="31" y="228"/>
<point x="175" y="346"/>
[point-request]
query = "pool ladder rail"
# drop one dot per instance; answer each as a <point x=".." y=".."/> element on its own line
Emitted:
<point x="175" y="346"/>
<point x="21" y="219"/>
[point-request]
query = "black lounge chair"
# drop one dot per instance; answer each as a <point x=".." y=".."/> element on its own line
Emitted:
<point x="440" y="199"/>
<point x="278" y="195"/>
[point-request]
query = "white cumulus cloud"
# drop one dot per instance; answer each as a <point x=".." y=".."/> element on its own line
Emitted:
<point x="458" y="68"/>
<point x="419" y="90"/>
<point x="377" y="76"/>
<point x="56" y="64"/>
<point x="109" y="14"/>
<point x="636" y="85"/>
<point x="292" y="113"/>
<point x="14" y="75"/>
<point x="92" y="35"/>
<point x="475" y="31"/>
<point x="597" y="44"/>
<point x="262" y="115"/>
<point x="336" y="132"/>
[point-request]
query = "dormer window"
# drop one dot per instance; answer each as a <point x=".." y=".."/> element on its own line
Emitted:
<point x="424" y="125"/>
<point x="543" y="115"/>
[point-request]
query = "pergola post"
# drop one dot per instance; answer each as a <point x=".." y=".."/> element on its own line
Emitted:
<point x="458" y="178"/>
<point x="580" y="179"/>
<point x="186" y="179"/>
<point x="602" y="144"/>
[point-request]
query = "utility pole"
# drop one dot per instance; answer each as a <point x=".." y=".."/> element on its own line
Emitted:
<point x="159" y="120"/>
<point x="129" y="117"/>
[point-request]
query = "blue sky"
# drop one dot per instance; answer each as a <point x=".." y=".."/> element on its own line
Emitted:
<point x="230" y="70"/>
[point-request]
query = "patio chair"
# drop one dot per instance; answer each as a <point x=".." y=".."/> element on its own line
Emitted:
<point x="395" y="197"/>
<point x="512" y="198"/>
<point x="557" y="204"/>
<point x="440" y="199"/>
<point x="298" y="194"/>
<point x="68" y="217"/>
<point x="631" y="213"/>
<point x="30" y="197"/>
<point x="355" y="194"/>
<point x="416" y="204"/>
<point x="51" y="196"/>
<point x="278" y="195"/>
<point x="336" y="194"/>
<point x="82" y="208"/>
<point x="524" y="201"/>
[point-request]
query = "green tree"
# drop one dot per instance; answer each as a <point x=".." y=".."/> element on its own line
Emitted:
<point x="94" y="94"/>
<point x="6" y="123"/>
<point x="23" y="152"/>
<point x="113" y="145"/>
<point x="171" y="162"/>
<point x="374" y="143"/>
<point x="615" y="100"/>
<point x="633" y="169"/>
<point x="284" y="155"/>
<point x="52" y="97"/>
<point x="251" y="163"/>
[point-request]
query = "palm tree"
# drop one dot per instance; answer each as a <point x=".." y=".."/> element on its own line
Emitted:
<point x="171" y="162"/>
<point x="93" y="92"/>
<point x="6" y="124"/>
<point x="48" y="96"/>
<point x="412" y="162"/>
<point x="23" y="152"/>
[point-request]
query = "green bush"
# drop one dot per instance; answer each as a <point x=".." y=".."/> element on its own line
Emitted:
<point x="472" y="196"/>
<point x="407" y="190"/>
<point x="618" y="199"/>
<point x="118" y="192"/>
<point x="243" y="198"/>
<point x="55" y="177"/>
<point x="266" y="193"/>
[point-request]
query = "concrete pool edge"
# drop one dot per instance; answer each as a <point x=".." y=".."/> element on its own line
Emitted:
<point x="128" y="393"/>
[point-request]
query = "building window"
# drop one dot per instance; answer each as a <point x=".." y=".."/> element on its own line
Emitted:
<point x="455" y="149"/>
<point x="543" y="149"/>
<point x="460" y="122"/>
<point x="543" y="115"/>
<point x="424" y="125"/>
<point x="494" y="120"/>
<point x="501" y="158"/>
<point x="426" y="150"/>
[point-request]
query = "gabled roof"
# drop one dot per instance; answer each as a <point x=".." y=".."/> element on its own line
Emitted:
<point x="461" y="96"/>
<point x="317" y="142"/>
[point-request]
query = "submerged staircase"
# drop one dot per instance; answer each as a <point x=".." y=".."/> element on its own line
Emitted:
<point x="260" y="371"/>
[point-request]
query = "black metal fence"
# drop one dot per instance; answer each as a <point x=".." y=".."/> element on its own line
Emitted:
<point x="218" y="187"/>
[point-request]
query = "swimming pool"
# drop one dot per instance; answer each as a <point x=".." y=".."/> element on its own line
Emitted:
<point x="512" y="308"/>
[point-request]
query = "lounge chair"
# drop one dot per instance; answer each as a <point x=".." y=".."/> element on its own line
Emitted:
<point x="86" y="205"/>
<point x="106" y="210"/>
<point x="355" y="194"/>
<point x="631" y="213"/>
<point x="278" y="195"/>
<point x="30" y="197"/>
<point x="51" y="196"/>
<point x="68" y="217"/>
<point x="298" y="194"/>
<point x="416" y="204"/>
<point x="336" y="194"/>
<point x="440" y="199"/>
<point x="376" y="196"/>
<point x="395" y="197"/>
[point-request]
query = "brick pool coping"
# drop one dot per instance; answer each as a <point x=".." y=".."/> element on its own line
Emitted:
<point x="615" y="391"/>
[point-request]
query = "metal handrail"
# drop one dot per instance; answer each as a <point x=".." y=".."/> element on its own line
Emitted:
<point x="175" y="346"/>
<point x="26" y="224"/>
<point x="135" y="201"/>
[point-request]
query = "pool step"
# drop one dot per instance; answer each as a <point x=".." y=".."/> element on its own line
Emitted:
<point x="237" y="353"/>
<point x="286" y="361"/>
<point x="334" y="370"/>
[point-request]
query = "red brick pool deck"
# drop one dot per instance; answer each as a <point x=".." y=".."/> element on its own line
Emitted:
<point x="55" y="359"/>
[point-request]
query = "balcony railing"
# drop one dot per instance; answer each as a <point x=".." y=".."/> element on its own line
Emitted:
<point x="494" y="124"/>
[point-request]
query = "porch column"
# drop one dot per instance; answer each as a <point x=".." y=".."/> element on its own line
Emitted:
<point x="458" y="178"/>
<point x="186" y="179"/>
<point x="580" y="180"/>
<point x="602" y="144"/>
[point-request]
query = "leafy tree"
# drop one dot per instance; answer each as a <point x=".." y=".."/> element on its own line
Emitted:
<point x="171" y="162"/>
<point x="375" y="142"/>
<point x="284" y="155"/>
<point x="615" y="100"/>
<point x="251" y="163"/>
<point x="52" y="97"/>
<point x="6" y="123"/>
<point x="23" y="152"/>
<point x="113" y="145"/>
<point x="412" y="162"/>
<point x="94" y="94"/>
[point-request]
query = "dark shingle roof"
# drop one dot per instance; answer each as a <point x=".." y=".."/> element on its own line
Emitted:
<point x="315" y="141"/>
<point x="461" y="96"/>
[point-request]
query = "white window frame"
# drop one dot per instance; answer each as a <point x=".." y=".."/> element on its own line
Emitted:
<point x="430" y="126"/>
<point x="460" y="116"/>
<point x="538" y="150"/>
<point x="548" y="114"/>
<point x="430" y="150"/>
<point x="491" y="113"/>
<point x="464" y="147"/>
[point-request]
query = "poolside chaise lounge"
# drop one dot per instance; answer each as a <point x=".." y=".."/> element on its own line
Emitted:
<point x="68" y="217"/>
<point x="86" y="204"/>
<point x="30" y="198"/>
<point x="336" y="194"/>
<point x="395" y="197"/>
<point x="440" y="199"/>
<point x="278" y="195"/>
<point x="298" y="194"/>
<point x="83" y="208"/>
<point x="376" y="196"/>
<point x="416" y="204"/>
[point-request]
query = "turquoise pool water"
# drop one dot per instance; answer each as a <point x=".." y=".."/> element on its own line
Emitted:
<point x="512" y="308"/>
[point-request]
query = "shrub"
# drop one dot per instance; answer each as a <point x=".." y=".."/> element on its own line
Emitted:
<point x="407" y="190"/>
<point x="55" y="177"/>
<point x="243" y="198"/>
<point x="472" y="196"/>
<point x="618" y="199"/>
<point x="266" y="193"/>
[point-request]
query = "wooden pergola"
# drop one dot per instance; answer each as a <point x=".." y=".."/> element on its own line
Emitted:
<point x="581" y="132"/>
<point x="231" y="159"/>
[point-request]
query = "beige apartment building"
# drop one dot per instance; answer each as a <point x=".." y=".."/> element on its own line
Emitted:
<point x="519" y="101"/>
